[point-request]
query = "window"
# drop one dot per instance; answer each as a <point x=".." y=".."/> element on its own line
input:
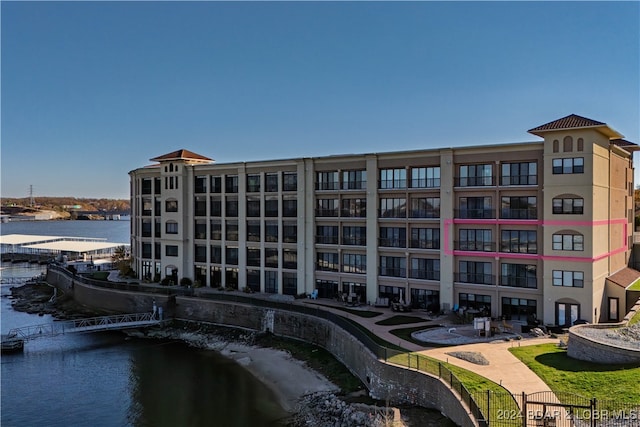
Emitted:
<point x="200" y="206"/>
<point x="216" y="230"/>
<point x="289" y="181"/>
<point x="327" y="207"/>
<point x="517" y="207"/>
<point x="253" y="231"/>
<point x="290" y="259"/>
<point x="271" y="183"/>
<point x="289" y="283"/>
<point x="425" y="238"/>
<point x="393" y="237"/>
<point x="231" y="207"/>
<point x="216" y="184"/>
<point x="270" y="231"/>
<point x="171" y="205"/>
<point x="147" y="206"/>
<point x="475" y="207"/>
<point x="556" y="146"/>
<point x="200" y="229"/>
<point x="157" y="186"/>
<point x="425" y="268"/>
<point x="568" y="166"/>
<point x="354" y="235"/>
<point x="253" y="183"/>
<point x="393" y="266"/>
<point x="289" y="208"/>
<point x="580" y="144"/>
<point x="393" y="178"/>
<point x="146" y="228"/>
<point x="568" y="242"/>
<point x="519" y="241"/>
<point x="216" y="254"/>
<point x="145" y="188"/>
<point x="200" y="252"/>
<point x="232" y="255"/>
<point x="327" y="234"/>
<point x="354" y="180"/>
<point x="146" y="250"/>
<point x="253" y="207"/>
<point x="253" y="257"/>
<point x="525" y="173"/>
<point x="425" y="299"/>
<point x="481" y="303"/>
<point x="327" y="180"/>
<point x="425" y="177"/>
<point x="567" y="144"/>
<point x="476" y="240"/>
<point x="271" y="257"/>
<point x="568" y="205"/>
<point x="231" y="183"/>
<point x="393" y="208"/>
<point x="572" y="279"/>
<point x="519" y="308"/>
<point x="519" y="275"/>
<point x="171" y="227"/>
<point x="171" y="250"/>
<point x="354" y="208"/>
<point x="354" y="263"/>
<point x="475" y="272"/>
<point x="289" y="232"/>
<point x="253" y="280"/>
<point x="327" y="261"/>
<point x="157" y="228"/>
<point x="271" y="282"/>
<point x="200" y="184"/>
<point x="215" y="205"/>
<point x="271" y="207"/>
<point x="475" y="175"/>
<point x="232" y="230"/>
<point x="425" y="207"/>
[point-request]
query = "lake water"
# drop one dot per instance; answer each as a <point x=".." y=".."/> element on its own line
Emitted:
<point x="104" y="379"/>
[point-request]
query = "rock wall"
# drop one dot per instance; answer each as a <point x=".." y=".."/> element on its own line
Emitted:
<point x="591" y="349"/>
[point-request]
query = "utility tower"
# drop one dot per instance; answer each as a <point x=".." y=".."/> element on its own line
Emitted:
<point x="31" y="201"/>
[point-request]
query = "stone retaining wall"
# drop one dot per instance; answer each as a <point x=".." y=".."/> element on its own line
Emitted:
<point x="391" y="383"/>
<point x="586" y="348"/>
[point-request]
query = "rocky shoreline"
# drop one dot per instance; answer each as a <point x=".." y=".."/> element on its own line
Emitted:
<point x="310" y="398"/>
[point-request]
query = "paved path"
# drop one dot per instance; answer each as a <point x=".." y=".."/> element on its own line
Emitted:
<point x="503" y="368"/>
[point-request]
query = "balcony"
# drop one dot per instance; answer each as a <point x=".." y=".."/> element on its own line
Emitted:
<point x="480" y="279"/>
<point x="392" y="243"/>
<point x="527" y="213"/>
<point x="393" y="272"/>
<point x="327" y="240"/>
<point x="323" y="212"/>
<point x="475" y="181"/>
<point x="475" y="213"/>
<point x="424" y="274"/>
<point x="475" y="246"/>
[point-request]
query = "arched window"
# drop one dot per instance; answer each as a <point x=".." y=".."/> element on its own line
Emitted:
<point x="580" y="144"/>
<point x="171" y="205"/>
<point x="568" y="240"/>
<point x="556" y="146"/>
<point x="568" y="204"/>
<point x="567" y="144"/>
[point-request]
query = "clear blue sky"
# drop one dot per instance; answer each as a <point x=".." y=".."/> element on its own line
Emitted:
<point x="92" y="90"/>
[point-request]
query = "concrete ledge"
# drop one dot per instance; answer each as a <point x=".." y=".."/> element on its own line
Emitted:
<point x="589" y="349"/>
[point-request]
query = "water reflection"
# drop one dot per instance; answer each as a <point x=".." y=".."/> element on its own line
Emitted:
<point x="209" y="390"/>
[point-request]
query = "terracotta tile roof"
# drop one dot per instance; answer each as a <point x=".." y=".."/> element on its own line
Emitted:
<point x="624" y="277"/>
<point x="573" y="121"/>
<point x="569" y="122"/>
<point x="181" y="155"/>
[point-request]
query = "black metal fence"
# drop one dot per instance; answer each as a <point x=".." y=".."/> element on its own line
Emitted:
<point x="489" y="408"/>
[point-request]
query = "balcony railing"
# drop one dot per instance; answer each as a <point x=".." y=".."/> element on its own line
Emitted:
<point x="323" y="212"/>
<point x="475" y="213"/>
<point x="327" y="240"/>
<point x="519" y="180"/>
<point x="477" y="246"/>
<point x="475" y="181"/>
<point x="527" y="213"/>
<point x="393" y="272"/>
<point x="519" y="282"/>
<point x="354" y="241"/>
<point x="425" y="244"/>
<point x="424" y="274"/>
<point x="392" y="243"/>
<point x="481" y="279"/>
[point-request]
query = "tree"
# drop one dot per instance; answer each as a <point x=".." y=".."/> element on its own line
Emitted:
<point x="122" y="260"/>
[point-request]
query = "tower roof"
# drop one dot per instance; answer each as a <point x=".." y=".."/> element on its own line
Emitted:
<point x="184" y="155"/>
<point x="573" y="121"/>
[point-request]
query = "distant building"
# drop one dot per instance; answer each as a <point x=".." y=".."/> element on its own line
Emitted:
<point x="511" y="230"/>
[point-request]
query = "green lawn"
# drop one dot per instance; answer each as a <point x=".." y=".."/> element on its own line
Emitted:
<point x="635" y="286"/>
<point x="564" y="374"/>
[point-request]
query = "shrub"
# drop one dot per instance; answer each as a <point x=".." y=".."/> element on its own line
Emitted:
<point x="185" y="281"/>
<point x="166" y="281"/>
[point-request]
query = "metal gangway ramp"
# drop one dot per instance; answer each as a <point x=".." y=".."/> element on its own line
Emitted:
<point x="93" y="324"/>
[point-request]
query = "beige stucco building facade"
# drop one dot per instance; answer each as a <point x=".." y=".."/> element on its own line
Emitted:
<point x="511" y="230"/>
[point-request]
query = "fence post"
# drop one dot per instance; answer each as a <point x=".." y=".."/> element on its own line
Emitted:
<point x="594" y="405"/>
<point x="488" y="407"/>
<point x="439" y="370"/>
<point x="524" y="409"/>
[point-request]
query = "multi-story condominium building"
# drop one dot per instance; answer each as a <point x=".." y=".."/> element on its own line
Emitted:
<point x="512" y="230"/>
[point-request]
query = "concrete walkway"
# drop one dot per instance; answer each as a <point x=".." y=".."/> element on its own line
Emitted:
<point x="503" y="368"/>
